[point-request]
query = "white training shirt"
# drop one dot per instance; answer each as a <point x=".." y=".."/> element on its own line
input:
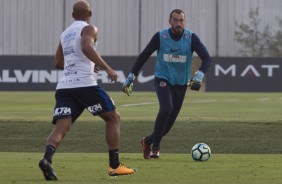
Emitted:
<point x="78" y="69"/>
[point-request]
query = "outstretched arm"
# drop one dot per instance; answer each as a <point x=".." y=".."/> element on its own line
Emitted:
<point x="152" y="46"/>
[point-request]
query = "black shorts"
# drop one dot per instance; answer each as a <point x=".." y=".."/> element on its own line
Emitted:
<point x="72" y="102"/>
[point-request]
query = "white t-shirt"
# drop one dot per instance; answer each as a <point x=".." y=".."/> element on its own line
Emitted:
<point x="78" y="69"/>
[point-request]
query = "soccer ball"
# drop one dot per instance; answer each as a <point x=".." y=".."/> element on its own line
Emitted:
<point x="201" y="152"/>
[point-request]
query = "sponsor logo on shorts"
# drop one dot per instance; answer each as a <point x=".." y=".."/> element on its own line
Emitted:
<point x="95" y="108"/>
<point x="162" y="84"/>
<point x="62" y="111"/>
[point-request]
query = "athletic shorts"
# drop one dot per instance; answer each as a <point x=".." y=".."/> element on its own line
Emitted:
<point x="73" y="101"/>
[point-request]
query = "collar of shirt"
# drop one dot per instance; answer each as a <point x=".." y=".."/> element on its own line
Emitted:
<point x="174" y="36"/>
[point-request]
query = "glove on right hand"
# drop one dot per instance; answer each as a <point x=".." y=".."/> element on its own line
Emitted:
<point x="127" y="86"/>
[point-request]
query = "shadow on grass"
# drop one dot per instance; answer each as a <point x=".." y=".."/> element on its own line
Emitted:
<point x="222" y="137"/>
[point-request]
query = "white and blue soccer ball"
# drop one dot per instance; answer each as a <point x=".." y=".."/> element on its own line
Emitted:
<point x="201" y="152"/>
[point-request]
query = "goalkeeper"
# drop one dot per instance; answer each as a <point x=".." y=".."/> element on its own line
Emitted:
<point x="175" y="47"/>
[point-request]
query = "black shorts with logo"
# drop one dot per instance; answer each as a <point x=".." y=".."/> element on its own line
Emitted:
<point x="73" y="101"/>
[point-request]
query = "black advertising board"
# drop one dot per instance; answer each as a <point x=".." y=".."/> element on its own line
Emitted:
<point x="37" y="73"/>
<point x="245" y="75"/>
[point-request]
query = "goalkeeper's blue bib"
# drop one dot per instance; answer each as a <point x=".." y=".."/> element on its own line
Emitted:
<point x="174" y="58"/>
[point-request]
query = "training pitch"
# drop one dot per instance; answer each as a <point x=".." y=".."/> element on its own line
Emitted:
<point x="242" y="129"/>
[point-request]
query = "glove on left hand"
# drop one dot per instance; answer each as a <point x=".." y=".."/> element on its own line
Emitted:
<point x="196" y="82"/>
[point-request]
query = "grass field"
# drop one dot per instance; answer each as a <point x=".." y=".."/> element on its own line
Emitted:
<point x="84" y="168"/>
<point x="242" y="129"/>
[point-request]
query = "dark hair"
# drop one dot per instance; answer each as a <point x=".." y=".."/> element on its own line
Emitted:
<point x="178" y="11"/>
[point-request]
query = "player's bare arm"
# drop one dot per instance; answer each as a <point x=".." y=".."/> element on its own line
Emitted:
<point x="88" y="37"/>
<point x="59" y="58"/>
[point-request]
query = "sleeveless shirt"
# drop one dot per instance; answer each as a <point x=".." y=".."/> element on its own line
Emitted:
<point x="174" y="58"/>
<point x="78" y="69"/>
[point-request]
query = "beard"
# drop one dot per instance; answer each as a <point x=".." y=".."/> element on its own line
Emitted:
<point x="177" y="30"/>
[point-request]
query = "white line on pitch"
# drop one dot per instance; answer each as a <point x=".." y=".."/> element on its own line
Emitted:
<point x="264" y="99"/>
<point x="203" y="101"/>
<point x="139" y="104"/>
<point x="231" y="100"/>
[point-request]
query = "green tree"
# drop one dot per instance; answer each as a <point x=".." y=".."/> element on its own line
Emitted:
<point x="256" y="42"/>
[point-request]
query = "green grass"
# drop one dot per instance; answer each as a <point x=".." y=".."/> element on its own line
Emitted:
<point x="242" y="129"/>
<point x="208" y="107"/>
<point x="231" y="137"/>
<point x="83" y="168"/>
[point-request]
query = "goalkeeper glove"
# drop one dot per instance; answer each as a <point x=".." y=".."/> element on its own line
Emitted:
<point x="128" y="84"/>
<point x="196" y="82"/>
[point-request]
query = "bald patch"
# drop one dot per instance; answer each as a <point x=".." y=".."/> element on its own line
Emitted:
<point x="81" y="10"/>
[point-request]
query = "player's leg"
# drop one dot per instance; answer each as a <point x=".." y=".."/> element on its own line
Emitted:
<point x="112" y="133"/>
<point x="99" y="103"/>
<point x="53" y="141"/>
<point x="178" y="98"/>
<point x="146" y="147"/>
<point x="65" y="113"/>
<point x="163" y="91"/>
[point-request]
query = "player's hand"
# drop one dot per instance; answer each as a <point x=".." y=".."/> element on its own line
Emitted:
<point x="127" y="86"/>
<point x="196" y="82"/>
<point x="112" y="75"/>
<point x="127" y="89"/>
<point x="96" y="69"/>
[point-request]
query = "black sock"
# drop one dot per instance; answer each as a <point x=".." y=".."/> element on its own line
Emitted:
<point x="114" y="159"/>
<point x="49" y="152"/>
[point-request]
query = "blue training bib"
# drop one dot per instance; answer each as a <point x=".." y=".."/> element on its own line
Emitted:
<point x="174" y="58"/>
